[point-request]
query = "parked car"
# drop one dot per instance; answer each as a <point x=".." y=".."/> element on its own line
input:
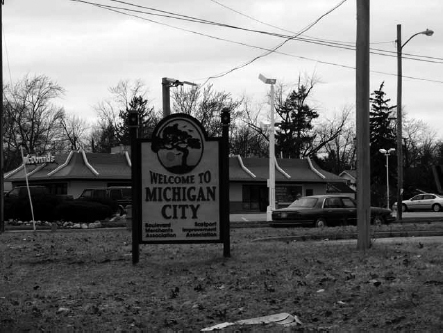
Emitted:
<point x="17" y="205"/>
<point x="325" y="210"/>
<point x="22" y="191"/>
<point x="426" y="201"/>
<point x="34" y="190"/>
<point x="121" y="194"/>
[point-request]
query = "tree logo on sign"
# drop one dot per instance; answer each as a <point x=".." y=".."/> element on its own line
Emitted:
<point x="178" y="145"/>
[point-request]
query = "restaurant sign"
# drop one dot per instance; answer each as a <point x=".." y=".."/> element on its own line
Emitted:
<point x="180" y="184"/>
<point x="32" y="159"/>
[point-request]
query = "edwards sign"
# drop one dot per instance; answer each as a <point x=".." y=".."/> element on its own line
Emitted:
<point x="180" y="186"/>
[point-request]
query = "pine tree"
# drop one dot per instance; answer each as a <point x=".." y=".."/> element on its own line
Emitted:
<point x="147" y="120"/>
<point x="295" y="129"/>
<point x="382" y="136"/>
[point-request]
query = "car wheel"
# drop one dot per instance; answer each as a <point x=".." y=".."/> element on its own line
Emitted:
<point x="404" y="208"/>
<point x="377" y="220"/>
<point x="320" y="223"/>
<point x="436" y="208"/>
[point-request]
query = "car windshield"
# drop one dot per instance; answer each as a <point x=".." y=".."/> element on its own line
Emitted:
<point x="303" y="202"/>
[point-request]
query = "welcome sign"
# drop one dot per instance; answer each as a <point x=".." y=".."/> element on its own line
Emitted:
<point x="180" y="184"/>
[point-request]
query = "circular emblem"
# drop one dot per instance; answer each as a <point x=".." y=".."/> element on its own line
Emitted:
<point x="179" y="145"/>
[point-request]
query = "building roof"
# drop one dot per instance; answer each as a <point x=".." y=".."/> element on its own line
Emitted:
<point x="287" y="170"/>
<point x="77" y="165"/>
<point x="81" y="165"/>
<point x="350" y="173"/>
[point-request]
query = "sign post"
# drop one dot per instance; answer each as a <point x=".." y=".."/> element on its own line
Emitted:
<point x="225" y="120"/>
<point x="133" y="129"/>
<point x="182" y="192"/>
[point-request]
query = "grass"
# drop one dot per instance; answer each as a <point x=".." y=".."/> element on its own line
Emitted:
<point x="85" y="280"/>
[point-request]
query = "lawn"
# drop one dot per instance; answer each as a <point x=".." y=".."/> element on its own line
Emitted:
<point x="85" y="280"/>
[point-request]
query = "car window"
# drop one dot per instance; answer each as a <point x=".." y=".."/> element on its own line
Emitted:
<point x="304" y="202"/>
<point x="417" y="197"/>
<point x="127" y="192"/>
<point x="115" y="194"/>
<point x="348" y="203"/>
<point x="428" y="197"/>
<point x="87" y="194"/>
<point x="14" y="192"/>
<point x="333" y="203"/>
<point x="99" y="194"/>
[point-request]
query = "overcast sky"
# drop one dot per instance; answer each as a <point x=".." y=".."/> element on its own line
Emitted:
<point x="87" y="49"/>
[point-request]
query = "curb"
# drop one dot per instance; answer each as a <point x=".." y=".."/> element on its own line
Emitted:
<point x="377" y="235"/>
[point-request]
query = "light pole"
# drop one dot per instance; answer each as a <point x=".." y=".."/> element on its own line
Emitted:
<point x="387" y="153"/>
<point x="400" y="46"/>
<point x="166" y="84"/>
<point x="271" y="180"/>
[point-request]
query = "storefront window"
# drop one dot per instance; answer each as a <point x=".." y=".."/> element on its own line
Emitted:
<point x="254" y="197"/>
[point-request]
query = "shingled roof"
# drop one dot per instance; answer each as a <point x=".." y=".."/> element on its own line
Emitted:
<point x="77" y="165"/>
<point x="81" y="165"/>
<point x="294" y="170"/>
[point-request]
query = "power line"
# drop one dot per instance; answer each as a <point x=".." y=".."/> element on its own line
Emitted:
<point x="278" y="46"/>
<point x="283" y="29"/>
<point x="331" y="43"/>
<point x="171" y="15"/>
<point x="241" y="43"/>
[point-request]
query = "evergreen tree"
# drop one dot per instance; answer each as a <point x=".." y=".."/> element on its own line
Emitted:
<point x="382" y="136"/>
<point x="295" y="133"/>
<point x="147" y="120"/>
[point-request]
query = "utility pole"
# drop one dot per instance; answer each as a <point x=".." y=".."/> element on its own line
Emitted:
<point x="399" y="128"/>
<point x="362" y="103"/>
<point x="2" y="158"/>
<point x="400" y="161"/>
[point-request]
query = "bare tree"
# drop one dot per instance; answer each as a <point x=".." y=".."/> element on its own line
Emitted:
<point x="112" y="113"/>
<point x="33" y="120"/>
<point x="248" y="138"/>
<point x="338" y="138"/>
<point x="206" y="105"/>
<point x="75" y="131"/>
<point x="109" y="109"/>
<point x="419" y="140"/>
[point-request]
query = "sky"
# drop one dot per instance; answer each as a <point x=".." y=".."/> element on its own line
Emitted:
<point x="87" y="49"/>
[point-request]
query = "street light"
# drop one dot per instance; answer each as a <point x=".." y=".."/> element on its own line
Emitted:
<point x="166" y="84"/>
<point x="387" y="153"/>
<point x="400" y="46"/>
<point x="271" y="181"/>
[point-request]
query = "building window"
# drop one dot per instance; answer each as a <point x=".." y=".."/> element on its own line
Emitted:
<point x="287" y="194"/>
<point x="254" y="198"/>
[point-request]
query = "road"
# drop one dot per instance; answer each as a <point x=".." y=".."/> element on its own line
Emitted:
<point x="261" y="217"/>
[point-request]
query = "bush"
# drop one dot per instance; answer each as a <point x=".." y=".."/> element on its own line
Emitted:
<point x="82" y="211"/>
<point x="112" y="204"/>
<point x="20" y="208"/>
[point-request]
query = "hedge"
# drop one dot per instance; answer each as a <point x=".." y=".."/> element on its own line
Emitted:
<point x="51" y="208"/>
<point x="82" y="211"/>
<point x="20" y="208"/>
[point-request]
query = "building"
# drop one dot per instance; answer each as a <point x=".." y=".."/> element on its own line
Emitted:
<point x="248" y="191"/>
<point x="351" y="178"/>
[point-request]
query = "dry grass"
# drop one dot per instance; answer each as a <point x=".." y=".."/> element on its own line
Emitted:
<point x="85" y="280"/>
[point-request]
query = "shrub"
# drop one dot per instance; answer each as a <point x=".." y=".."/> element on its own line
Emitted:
<point x="20" y="208"/>
<point x="82" y="211"/>
<point x="112" y="204"/>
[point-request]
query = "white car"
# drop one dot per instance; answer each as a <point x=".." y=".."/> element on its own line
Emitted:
<point x="425" y="201"/>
